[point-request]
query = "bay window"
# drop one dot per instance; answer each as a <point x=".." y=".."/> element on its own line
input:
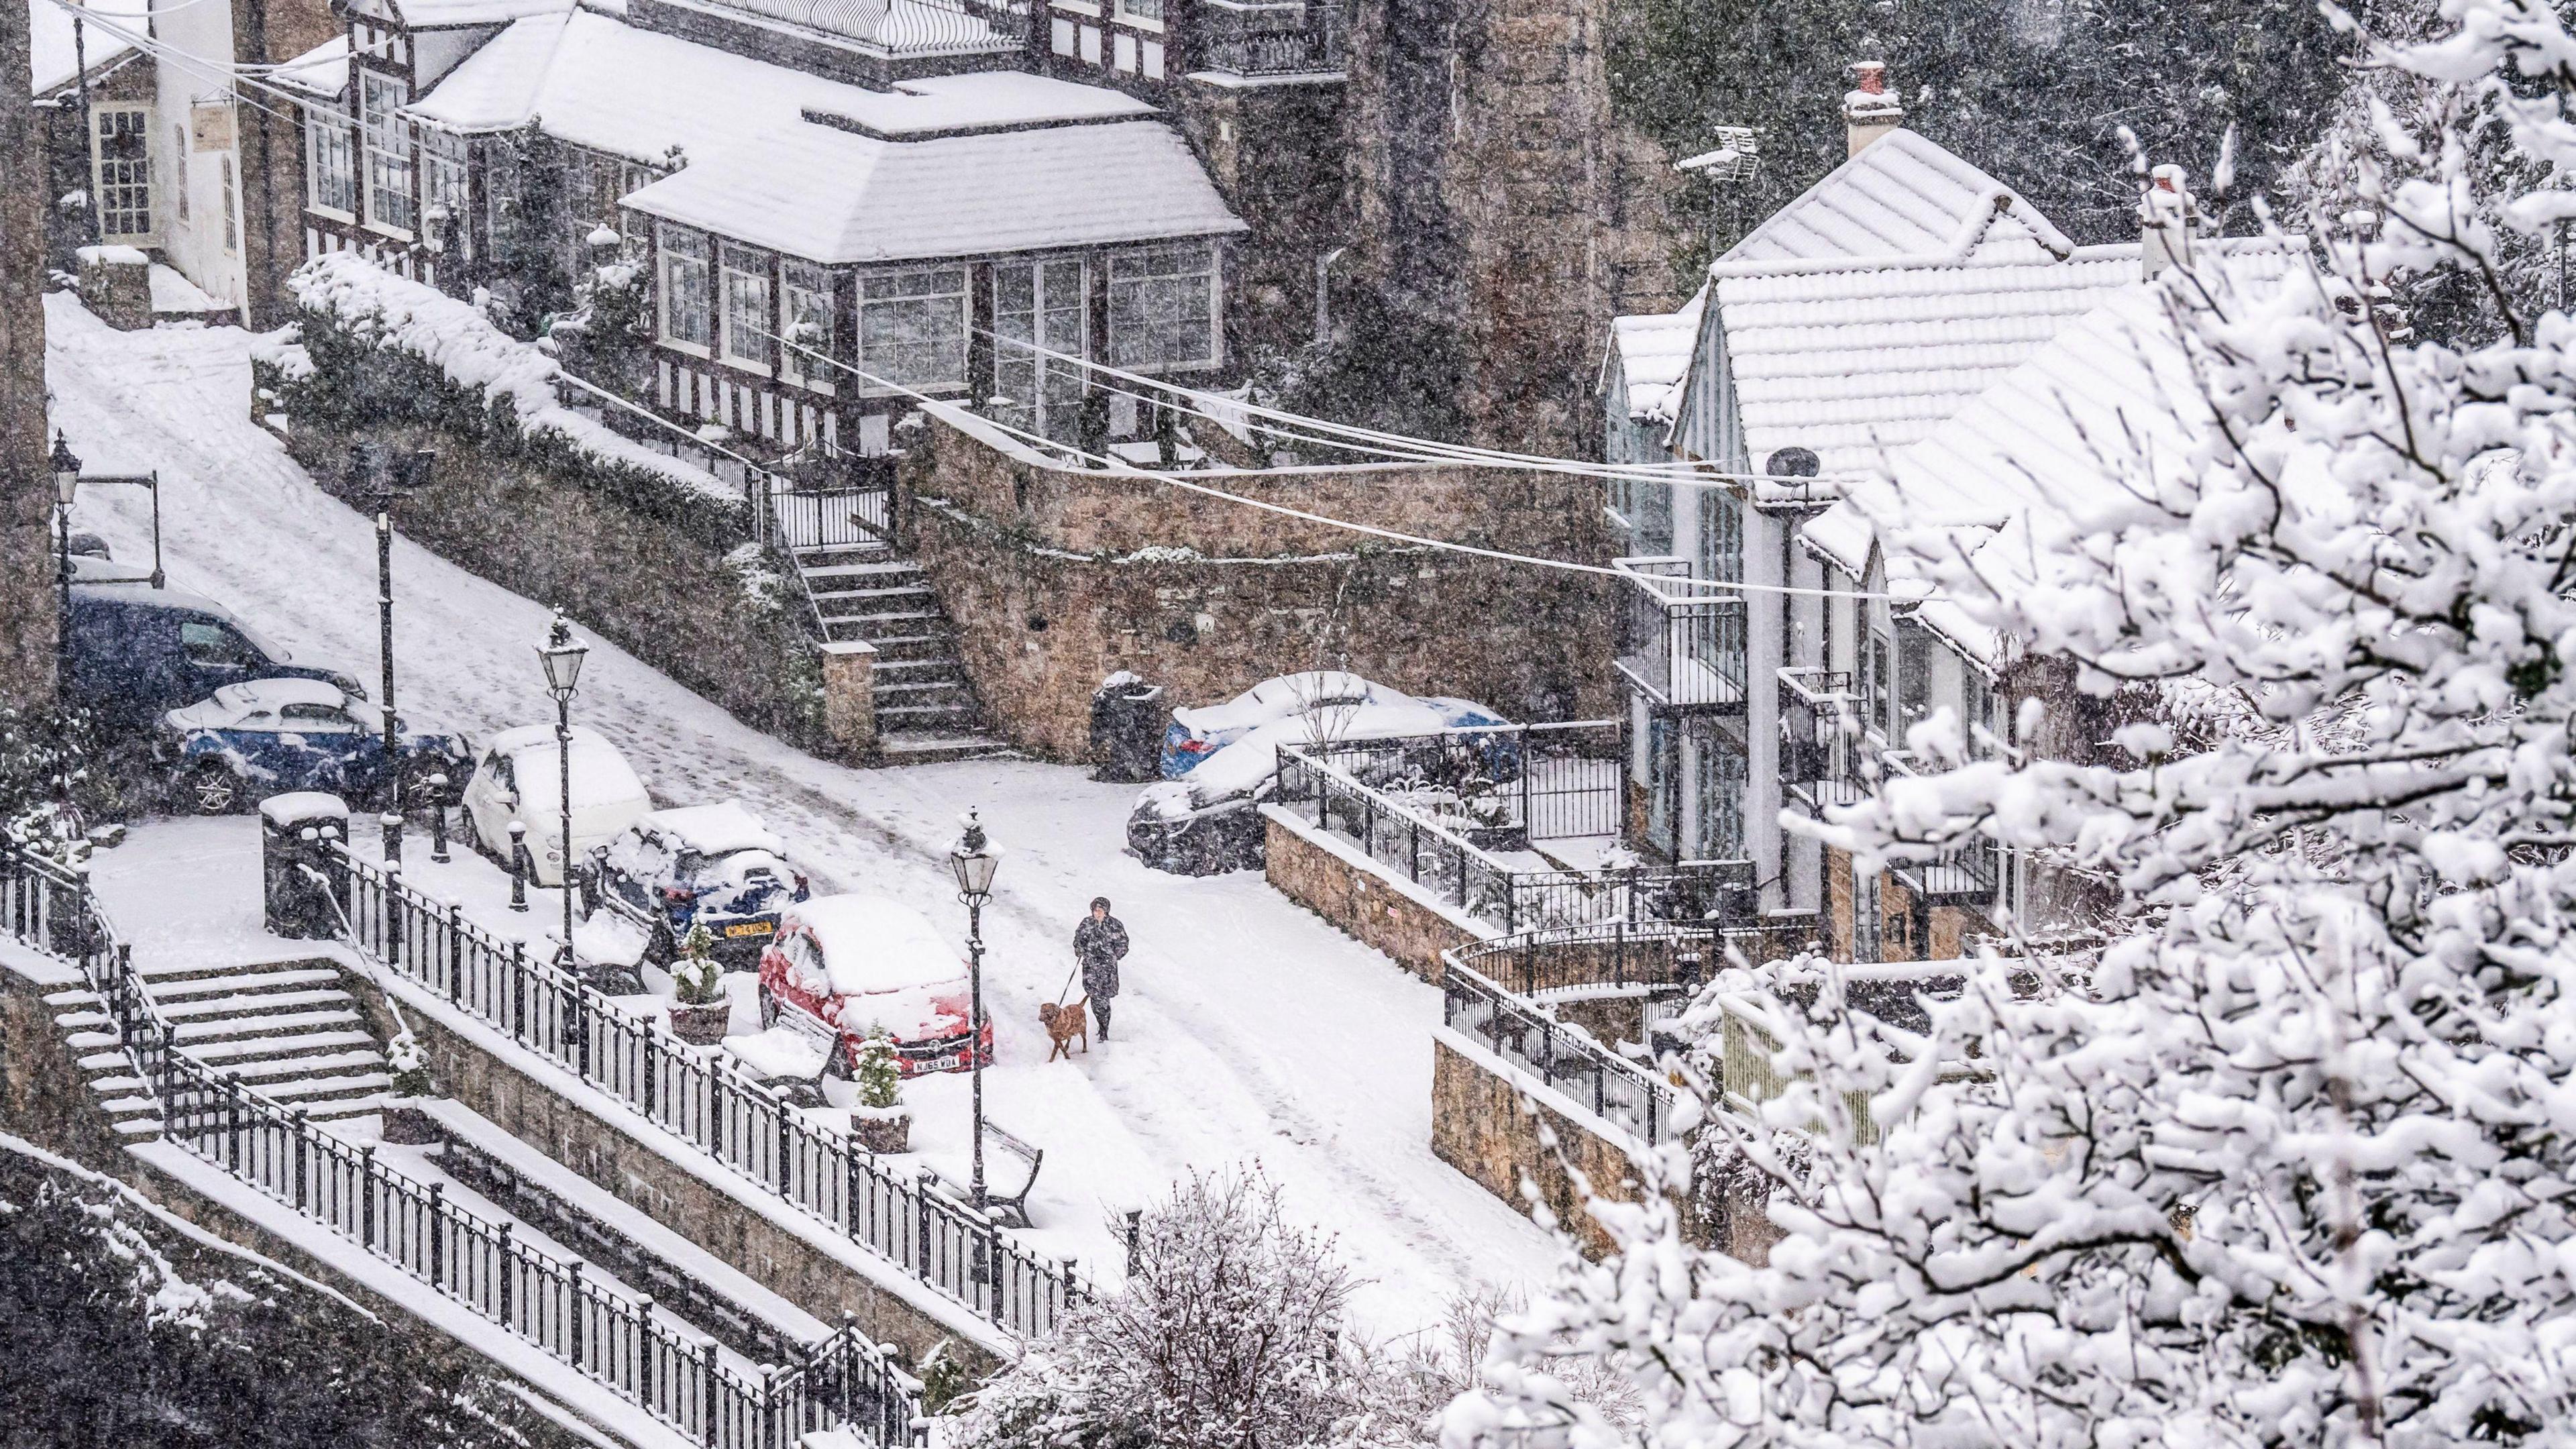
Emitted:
<point x="1162" y="307"/>
<point x="688" y="310"/>
<point x="388" y="143"/>
<point x="805" y="292"/>
<point x="912" y="326"/>
<point x="747" y="319"/>
<point x="330" y="164"/>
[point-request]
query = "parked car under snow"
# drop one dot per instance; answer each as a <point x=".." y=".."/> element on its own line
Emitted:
<point x="270" y="736"/>
<point x="861" y="962"/>
<point x="1220" y="761"/>
<point x="518" y="777"/>
<point x="715" y="866"/>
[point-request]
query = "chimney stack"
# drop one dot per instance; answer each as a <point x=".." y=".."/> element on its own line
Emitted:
<point x="2167" y="220"/>
<point x="1870" y="112"/>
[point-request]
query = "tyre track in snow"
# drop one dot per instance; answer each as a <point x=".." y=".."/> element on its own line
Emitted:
<point x="1248" y="1028"/>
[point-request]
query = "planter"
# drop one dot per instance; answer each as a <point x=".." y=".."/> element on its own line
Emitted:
<point x="409" y="1126"/>
<point x="882" y="1129"/>
<point x="702" y="1025"/>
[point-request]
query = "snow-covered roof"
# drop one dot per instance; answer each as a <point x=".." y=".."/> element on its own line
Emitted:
<point x="447" y="14"/>
<point x="52" y="62"/>
<point x="834" y="196"/>
<point x="322" y="71"/>
<point x="872" y="944"/>
<point x="595" y="81"/>
<point x="727" y="825"/>
<point x="1857" y="362"/>
<point x="1903" y="195"/>
<point x="1654" y="355"/>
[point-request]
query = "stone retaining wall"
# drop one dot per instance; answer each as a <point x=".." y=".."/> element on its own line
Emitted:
<point x="1365" y="905"/>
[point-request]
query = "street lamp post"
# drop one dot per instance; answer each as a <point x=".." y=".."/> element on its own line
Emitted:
<point x="66" y="469"/>
<point x="375" y="472"/>
<point x="562" y="655"/>
<point x="974" y="862"/>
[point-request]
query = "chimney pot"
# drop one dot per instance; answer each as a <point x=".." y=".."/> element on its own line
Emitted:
<point x="2167" y="221"/>
<point x="1873" y="76"/>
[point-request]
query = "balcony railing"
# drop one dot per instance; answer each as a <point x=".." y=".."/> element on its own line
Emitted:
<point x="1820" y="738"/>
<point x="903" y="27"/>
<point x="1243" y="37"/>
<point x="1680" y="641"/>
<point x="1965" y="874"/>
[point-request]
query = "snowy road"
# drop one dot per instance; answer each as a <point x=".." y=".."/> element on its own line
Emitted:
<point x="1248" y="1032"/>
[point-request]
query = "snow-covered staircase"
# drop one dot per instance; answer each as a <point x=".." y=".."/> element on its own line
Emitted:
<point x="926" y="708"/>
<point x="126" y="1098"/>
<point x="284" y="1029"/>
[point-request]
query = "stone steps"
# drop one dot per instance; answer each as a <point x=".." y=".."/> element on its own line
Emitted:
<point x="925" y="704"/>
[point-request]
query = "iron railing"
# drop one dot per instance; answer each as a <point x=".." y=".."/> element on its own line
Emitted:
<point x="1968" y="873"/>
<point x="1820" y="740"/>
<point x="1680" y="640"/>
<point x="704" y="1101"/>
<point x="1266" y="37"/>
<point x="1500" y="787"/>
<point x="604" y="1332"/>
<point x="1563" y="1056"/>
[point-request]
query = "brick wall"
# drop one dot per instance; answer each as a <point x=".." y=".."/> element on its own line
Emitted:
<point x="1055" y="578"/>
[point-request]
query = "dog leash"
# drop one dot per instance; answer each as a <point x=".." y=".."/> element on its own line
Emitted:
<point x="1068" y="985"/>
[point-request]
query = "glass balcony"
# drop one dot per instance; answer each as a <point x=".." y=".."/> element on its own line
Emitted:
<point x="1820" y="738"/>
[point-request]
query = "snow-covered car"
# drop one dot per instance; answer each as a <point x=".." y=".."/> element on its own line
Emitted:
<point x="518" y="777"/>
<point x="270" y="736"/>
<point x="1320" y="704"/>
<point x="1206" y="821"/>
<point x="715" y="866"/>
<point x="862" y="962"/>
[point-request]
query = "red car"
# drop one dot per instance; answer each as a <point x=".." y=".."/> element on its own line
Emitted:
<point x="860" y="962"/>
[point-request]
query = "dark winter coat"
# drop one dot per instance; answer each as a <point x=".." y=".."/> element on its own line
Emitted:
<point x="1099" y="945"/>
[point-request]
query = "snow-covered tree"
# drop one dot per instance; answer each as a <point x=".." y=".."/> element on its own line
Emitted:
<point x="2293" y="1161"/>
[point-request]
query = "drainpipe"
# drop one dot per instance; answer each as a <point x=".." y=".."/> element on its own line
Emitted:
<point x="1324" y="294"/>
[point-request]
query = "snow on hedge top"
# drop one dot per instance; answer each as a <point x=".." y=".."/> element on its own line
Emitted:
<point x="594" y="81"/>
<point x="463" y="344"/>
<point x="1904" y="195"/>
<point x="835" y="197"/>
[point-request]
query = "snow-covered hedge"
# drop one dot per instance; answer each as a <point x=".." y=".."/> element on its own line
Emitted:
<point x="374" y="348"/>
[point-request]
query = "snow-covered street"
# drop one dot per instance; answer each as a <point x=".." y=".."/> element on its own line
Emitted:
<point x="1249" y="1031"/>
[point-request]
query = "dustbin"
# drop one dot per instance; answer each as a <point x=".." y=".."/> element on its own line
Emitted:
<point x="294" y="832"/>
<point x="1127" y="721"/>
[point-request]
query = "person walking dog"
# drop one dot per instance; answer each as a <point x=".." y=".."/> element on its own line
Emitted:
<point x="1099" y="944"/>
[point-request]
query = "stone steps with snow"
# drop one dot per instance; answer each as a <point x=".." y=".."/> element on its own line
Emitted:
<point x="288" y="1023"/>
<point x="284" y="1030"/>
<point x="925" y="702"/>
<point x="272" y="1048"/>
<point x="248" y="1004"/>
<point x="169" y="993"/>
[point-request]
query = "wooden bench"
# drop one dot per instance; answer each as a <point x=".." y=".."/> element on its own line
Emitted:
<point x="1010" y="1209"/>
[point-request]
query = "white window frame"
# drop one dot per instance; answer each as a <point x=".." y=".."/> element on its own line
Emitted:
<point x="329" y="135"/>
<point x="384" y="137"/>
<point x="1135" y="13"/>
<point x="665" y="257"/>
<point x="742" y="331"/>
<point x="98" y="162"/>
<point x="1036" y="411"/>
<point x="891" y="288"/>
<point x="805" y="295"/>
<point x="444" y="182"/>
<point x="1130" y="293"/>
<point x="225" y="173"/>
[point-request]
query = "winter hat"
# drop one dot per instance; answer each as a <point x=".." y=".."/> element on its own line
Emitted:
<point x="1100" y="903"/>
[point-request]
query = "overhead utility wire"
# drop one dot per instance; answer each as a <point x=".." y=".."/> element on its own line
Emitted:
<point x="1121" y="467"/>
<point x="158" y="50"/>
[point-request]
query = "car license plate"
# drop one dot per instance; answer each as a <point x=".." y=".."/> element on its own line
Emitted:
<point x="749" y="928"/>
<point x="948" y="1063"/>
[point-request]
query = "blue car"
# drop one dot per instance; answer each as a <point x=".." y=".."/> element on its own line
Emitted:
<point x="714" y="865"/>
<point x="1323" y="704"/>
<point x="267" y="736"/>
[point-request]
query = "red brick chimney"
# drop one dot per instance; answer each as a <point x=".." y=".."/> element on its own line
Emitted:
<point x="1869" y="112"/>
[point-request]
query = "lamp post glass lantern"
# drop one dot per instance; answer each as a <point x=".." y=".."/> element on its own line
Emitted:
<point x="974" y="861"/>
<point x="562" y="655"/>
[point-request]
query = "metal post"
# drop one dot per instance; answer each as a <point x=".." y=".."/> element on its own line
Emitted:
<point x="438" y="1236"/>
<point x="303" y="1160"/>
<point x="563" y="757"/>
<point x="158" y="577"/>
<point x="519" y="992"/>
<point x="572" y="1309"/>
<point x="921" y="1203"/>
<point x="975" y="1034"/>
<point x="518" y="865"/>
<point x="385" y="613"/>
<point x="502" y="1250"/>
<point x="644" y="1349"/>
<point x="438" y="817"/>
<point x="63" y="618"/>
<point x="455" y="946"/>
<point x="367" y="1198"/>
<point x="393" y="895"/>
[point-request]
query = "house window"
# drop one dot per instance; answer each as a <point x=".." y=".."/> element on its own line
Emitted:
<point x="1876" y="658"/>
<point x="1144" y="13"/>
<point x="1980" y="721"/>
<point x="443" y="189"/>
<point x="748" y="322"/>
<point x="232" y="218"/>
<point x="1038" y="312"/>
<point x="389" y="198"/>
<point x="121" y="155"/>
<point x="1721" y="535"/>
<point x="1868" y="944"/>
<point x="912" y="326"/>
<point x="1719" y="773"/>
<point x="688" y="299"/>
<point x="806" y="289"/>
<point x="1663" y="783"/>
<point x="1913" y="675"/>
<point x="1162" y="307"/>
<point x="330" y="164"/>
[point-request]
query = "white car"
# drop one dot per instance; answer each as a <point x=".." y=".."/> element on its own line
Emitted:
<point x="516" y="777"/>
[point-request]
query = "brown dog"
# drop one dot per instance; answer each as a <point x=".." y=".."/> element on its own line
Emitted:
<point x="1064" y="1023"/>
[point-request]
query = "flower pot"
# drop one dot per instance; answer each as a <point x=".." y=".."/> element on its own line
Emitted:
<point x="702" y="1025"/>
<point x="882" y="1129"/>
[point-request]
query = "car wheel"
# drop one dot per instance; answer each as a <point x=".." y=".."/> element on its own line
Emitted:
<point x="211" y="789"/>
<point x="768" y="1008"/>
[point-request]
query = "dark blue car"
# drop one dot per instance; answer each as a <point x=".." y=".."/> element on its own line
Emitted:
<point x="715" y="866"/>
<point x="267" y="736"/>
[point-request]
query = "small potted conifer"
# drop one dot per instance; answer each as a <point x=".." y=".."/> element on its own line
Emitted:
<point x="702" y="1012"/>
<point x="403" y="1121"/>
<point x="880" y="1120"/>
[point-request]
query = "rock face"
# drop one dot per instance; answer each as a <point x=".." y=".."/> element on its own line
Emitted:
<point x="1501" y="205"/>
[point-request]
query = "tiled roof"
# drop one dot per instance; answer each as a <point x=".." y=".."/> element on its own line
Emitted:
<point x="1654" y="353"/>
<point x="833" y="196"/>
<point x="1903" y="195"/>
<point x="53" y="62"/>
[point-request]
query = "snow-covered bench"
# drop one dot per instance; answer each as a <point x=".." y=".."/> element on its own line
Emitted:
<point x="1010" y="1209"/>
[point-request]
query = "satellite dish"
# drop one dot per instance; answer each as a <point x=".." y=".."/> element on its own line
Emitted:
<point x="1794" y="463"/>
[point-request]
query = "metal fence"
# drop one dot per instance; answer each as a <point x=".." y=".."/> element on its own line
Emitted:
<point x="1678" y="642"/>
<point x="1652" y="954"/>
<point x="1820" y="738"/>
<point x="1564" y="1057"/>
<point x="704" y="1100"/>
<point x="605" y="1332"/>
<point x="1267" y="37"/>
<point x="1454" y="856"/>
<point x="1969" y="872"/>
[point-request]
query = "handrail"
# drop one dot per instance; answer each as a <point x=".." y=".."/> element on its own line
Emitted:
<point x="600" y="1330"/>
<point x="1529" y="1036"/>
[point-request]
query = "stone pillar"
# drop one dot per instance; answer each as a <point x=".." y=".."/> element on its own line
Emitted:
<point x="116" y="283"/>
<point x="849" y="695"/>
